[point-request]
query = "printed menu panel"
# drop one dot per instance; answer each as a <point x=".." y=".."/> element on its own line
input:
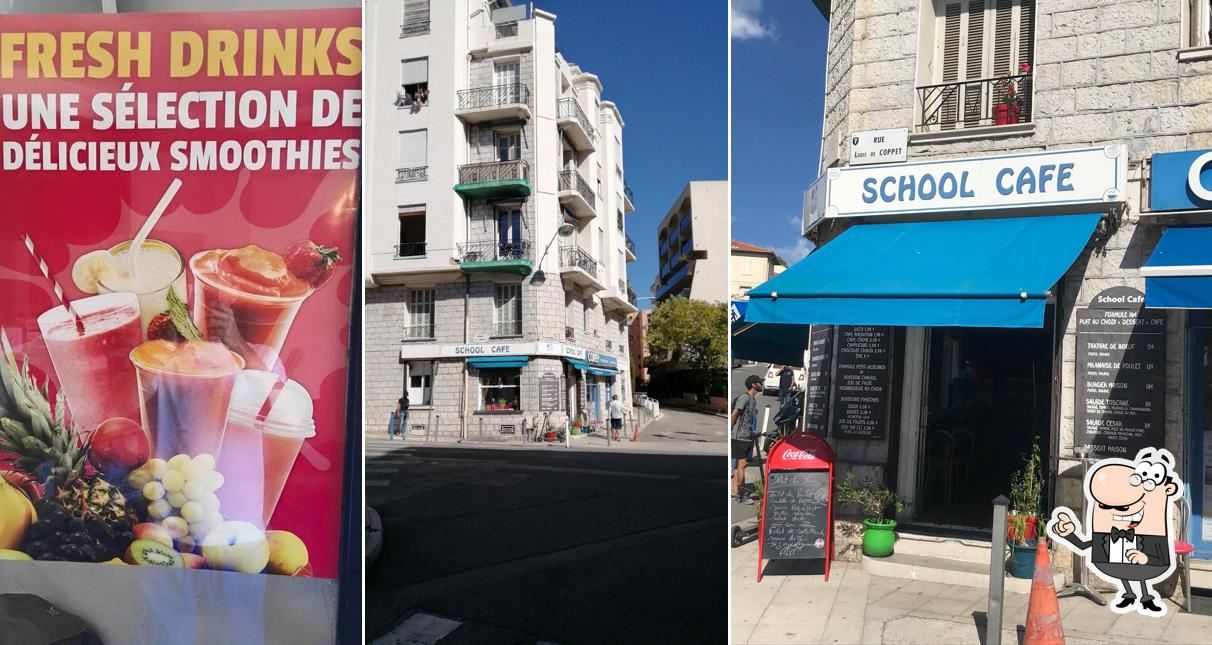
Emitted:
<point x="820" y="364"/>
<point x="180" y="197"/>
<point x="796" y="515"/>
<point x="860" y="382"/>
<point x="1121" y="374"/>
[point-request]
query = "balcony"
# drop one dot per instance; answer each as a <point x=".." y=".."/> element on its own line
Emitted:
<point x="576" y="195"/>
<point x="622" y="299"/>
<point x="496" y="257"/>
<point x="494" y="179"/>
<point x="629" y="245"/>
<point x="628" y="199"/>
<point x="974" y="104"/>
<point x="406" y="175"/>
<point x="575" y="125"/>
<point x="422" y="331"/>
<point x="414" y="28"/>
<point x="506" y="328"/>
<point x="494" y="103"/>
<point x="410" y="250"/>
<point x="579" y="268"/>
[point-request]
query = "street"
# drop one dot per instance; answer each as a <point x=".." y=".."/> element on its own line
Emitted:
<point x="508" y="544"/>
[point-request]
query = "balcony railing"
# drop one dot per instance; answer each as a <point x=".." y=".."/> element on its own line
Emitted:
<point x="568" y="107"/>
<point x="493" y="96"/>
<point x="506" y="29"/>
<point x="974" y="103"/>
<point x="627" y="191"/>
<point x="492" y="251"/>
<point x="507" y="328"/>
<point x="571" y="180"/>
<point x="622" y="286"/>
<point x="576" y="257"/>
<point x="630" y="244"/>
<point x="477" y="173"/>
<point x="405" y="175"/>
<point x="422" y="331"/>
<point x="410" y="249"/>
<point x="417" y="28"/>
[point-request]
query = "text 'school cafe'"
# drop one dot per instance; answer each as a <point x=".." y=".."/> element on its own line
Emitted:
<point x="958" y="311"/>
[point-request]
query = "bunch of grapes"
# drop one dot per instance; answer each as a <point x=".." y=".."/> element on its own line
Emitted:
<point x="62" y="536"/>
<point x="180" y="496"/>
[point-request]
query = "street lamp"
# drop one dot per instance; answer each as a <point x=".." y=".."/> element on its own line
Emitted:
<point x="565" y="230"/>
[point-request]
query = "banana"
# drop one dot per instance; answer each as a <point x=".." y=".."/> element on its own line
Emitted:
<point x="16" y="514"/>
<point x="92" y="268"/>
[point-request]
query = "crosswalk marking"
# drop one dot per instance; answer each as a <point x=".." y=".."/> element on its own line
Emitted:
<point x="377" y="483"/>
<point x="420" y="629"/>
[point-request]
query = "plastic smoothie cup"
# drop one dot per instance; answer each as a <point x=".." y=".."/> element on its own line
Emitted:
<point x="93" y="371"/>
<point x="263" y="440"/>
<point x="184" y="392"/>
<point x="159" y="269"/>
<point x="251" y="313"/>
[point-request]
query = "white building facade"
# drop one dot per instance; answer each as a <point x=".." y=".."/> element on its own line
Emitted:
<point x="493" y="208"/>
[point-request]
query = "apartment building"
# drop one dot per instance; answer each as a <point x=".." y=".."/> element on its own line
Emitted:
<point x="1053" y="182"/>
<point x="693" y="243"/>
<point x="494" y="208"/>
<point x="637" y="340"/>
<point x="751" y="265"/>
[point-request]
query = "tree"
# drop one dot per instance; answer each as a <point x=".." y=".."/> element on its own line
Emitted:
<point x="696" y="332"/>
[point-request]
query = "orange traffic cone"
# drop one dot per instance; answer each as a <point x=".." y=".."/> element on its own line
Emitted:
<point x="1043" y="611"/>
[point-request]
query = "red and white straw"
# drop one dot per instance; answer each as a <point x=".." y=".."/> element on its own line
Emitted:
<point x="29" y="245"/>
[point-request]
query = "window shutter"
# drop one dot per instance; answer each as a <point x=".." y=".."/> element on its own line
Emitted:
<point x="416" y="12"/>
<point x="974" y="63"/>
<point x="1026" y="48"/>
<point x="412" y="149"/>
<point x="414" y="71"/>
<point x="1003" y="38"/>
<point x="952" y="26"/>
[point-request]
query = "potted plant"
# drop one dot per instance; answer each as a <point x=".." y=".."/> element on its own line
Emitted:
<point x="1010" y="109"/>
<point x="1022" y="521"/>
<point x="552" y="432"/>
<point x="873" y="499"/>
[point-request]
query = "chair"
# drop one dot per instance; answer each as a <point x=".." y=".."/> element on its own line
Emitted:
<point x="940" y="453"/>
<point x="1183" y="549"/>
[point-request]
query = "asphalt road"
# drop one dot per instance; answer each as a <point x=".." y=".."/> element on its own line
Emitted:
<point x="687" y="431"/>
<point x="546" y="545"/>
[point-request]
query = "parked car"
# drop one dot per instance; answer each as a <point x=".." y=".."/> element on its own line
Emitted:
<point x="771" y="384"/>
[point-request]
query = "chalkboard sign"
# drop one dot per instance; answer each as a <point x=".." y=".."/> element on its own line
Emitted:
<point x="860" y="382"/>
<point x="796" y="515"/>
<point x="820" y="364"/>
<point x="1121" y="374"/>
<point x="549" y="391"/>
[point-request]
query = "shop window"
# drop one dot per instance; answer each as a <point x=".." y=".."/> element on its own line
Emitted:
<point x="1197" y="23"/>
<point x="416" y="18"/>
<point x="500" y="390"/>
<point x="507" y="310"/>
<point x="420" y="314"/>
<point x="412" y="164"/>
<point x="979" y="56"/>
<point x="412" y="232"/>
<point x="414" y="79"/>
<point x="420" y="383"/>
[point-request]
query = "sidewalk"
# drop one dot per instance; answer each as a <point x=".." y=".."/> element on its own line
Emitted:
<point x="855" y="607"/>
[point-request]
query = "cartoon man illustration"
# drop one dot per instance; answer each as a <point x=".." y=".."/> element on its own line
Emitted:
<point x="1128" y="514"/>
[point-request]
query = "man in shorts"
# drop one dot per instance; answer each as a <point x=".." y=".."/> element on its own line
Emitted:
<point x="616" y="417"/>
<point x="744" y="418"/>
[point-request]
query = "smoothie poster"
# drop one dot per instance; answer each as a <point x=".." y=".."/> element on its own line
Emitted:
<point x="177" y="209"/>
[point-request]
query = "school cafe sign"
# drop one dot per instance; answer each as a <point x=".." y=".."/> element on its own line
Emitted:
<point x="1181" y="181"/>
<point x="423" y="351"/>
<point x="1033" y="180"/>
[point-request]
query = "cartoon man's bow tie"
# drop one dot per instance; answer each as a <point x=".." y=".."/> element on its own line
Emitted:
<point x="1129" y="534"/>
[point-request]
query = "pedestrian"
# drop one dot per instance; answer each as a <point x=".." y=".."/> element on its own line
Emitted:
<point x="744" y="421"/>
<point x="399" y="419"/>
<point x="616" y="417"/>
<point x="786" y="381"/>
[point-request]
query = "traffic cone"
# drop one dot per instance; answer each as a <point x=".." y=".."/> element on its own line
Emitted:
<point x="1043" y="611"/>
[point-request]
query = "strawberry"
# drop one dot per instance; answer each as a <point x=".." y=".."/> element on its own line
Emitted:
<point x="311" y="262"/>
<point x="161" y="328"/>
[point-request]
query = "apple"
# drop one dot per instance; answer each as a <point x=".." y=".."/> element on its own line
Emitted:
<point x="119" y="445"/>
<point x="236" y="546"/>
<point x="287" y="553"/>
<point x="150" y="531"/>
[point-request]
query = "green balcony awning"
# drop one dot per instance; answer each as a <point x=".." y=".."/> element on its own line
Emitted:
<point x="522" y="266"/>
<point x="497" y="188"/>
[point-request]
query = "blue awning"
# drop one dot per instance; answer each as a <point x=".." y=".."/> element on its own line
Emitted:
<point x="498" y="362"/>
<point x="1179" y="273"/>
<point x="963" y="273"/>
<point x="770" y="343"/>
<point x="577" y="363"/>
<point x="603" y="371"/>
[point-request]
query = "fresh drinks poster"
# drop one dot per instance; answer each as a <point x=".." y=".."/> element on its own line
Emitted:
<point x="177" y="208"/>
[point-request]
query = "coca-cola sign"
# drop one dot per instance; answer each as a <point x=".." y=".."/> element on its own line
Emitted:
<point x="797" y="454"/>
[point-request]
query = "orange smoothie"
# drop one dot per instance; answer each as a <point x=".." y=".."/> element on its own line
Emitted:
<point x="184" y="392"/>
<point x="246" y="299"/>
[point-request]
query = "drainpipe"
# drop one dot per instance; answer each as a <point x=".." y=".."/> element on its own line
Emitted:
<point x="466" y="331"/>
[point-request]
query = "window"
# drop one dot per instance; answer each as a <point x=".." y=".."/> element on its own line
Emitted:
<point x="602" y="246"/>
<point x="414" y="78"/>
<point x="416" y="18"/>
<point x="412" y="164"/>
<point x="1197" y="20"/>
<point x="620" y="218"/>
<point x="420" y="383"/>
<point x="509" y="145"/>
<point x="599" y="176"/>
<point x="412" y="232"/>
<point x="500" y="390"/>
<point x="585" y="307"/>
<point x="420" y="314"/>
<point x="510" y="243"/>
<point x="505" y="76"/>
<point x="979" y="66"/>
<point x="507" y="310"/>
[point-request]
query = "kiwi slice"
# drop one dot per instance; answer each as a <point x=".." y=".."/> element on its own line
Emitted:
<point x="152" y="553"/>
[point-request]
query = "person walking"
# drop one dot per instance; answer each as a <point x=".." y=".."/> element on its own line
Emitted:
<point x="786" y="382"/>
<point x="399" y="419"/>
<point x="744" y="418"/>
<point x="616" y="417"/>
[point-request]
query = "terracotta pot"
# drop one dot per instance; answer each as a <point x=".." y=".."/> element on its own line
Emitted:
<point x="1006" y="113"/>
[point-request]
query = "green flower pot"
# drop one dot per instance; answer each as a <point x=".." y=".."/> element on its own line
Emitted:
<point x="879" y="538"/>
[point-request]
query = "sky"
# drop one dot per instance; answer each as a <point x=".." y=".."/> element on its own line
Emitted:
<point x="778" y="90"/>
<point x="664" y="64"/>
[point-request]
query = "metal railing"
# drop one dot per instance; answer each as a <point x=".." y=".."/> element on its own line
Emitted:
<point x="492" y="251"/>
<point x="630" y="195"/>
<point x="493" y="96"/>
<point x="630" y="244"/>
<point x="568" y="107"/>
<point x="405" y="175"/>
<point x="572" y="180"/>
<point x="423" y="331"/>
<point x="418" y="28"/>
<point x="507" y="328"/>
<point x="410" y="249"/>
<point x="576" y="257"/>
<point x="506" y="29"/>
<point x="494" y="171"/>
<point x="974" y="103"/>
<point x="622" y="286"/>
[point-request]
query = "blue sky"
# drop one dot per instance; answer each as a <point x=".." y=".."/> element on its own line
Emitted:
<point x="665" y="65"/>
<point x="778" y="89"/>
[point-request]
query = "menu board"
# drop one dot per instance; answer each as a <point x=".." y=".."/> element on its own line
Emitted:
<point x="820" y="364"/>
<point x="860" y="382"/>
<point x="1121" y="374"/>
<point x="549" y="391"/>
<point x="796" y="514"/>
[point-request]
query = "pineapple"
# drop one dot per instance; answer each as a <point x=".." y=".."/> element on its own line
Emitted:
<point x="81" y="517"/>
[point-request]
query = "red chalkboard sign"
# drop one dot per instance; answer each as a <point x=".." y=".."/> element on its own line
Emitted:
<point x="797" y="501"/>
